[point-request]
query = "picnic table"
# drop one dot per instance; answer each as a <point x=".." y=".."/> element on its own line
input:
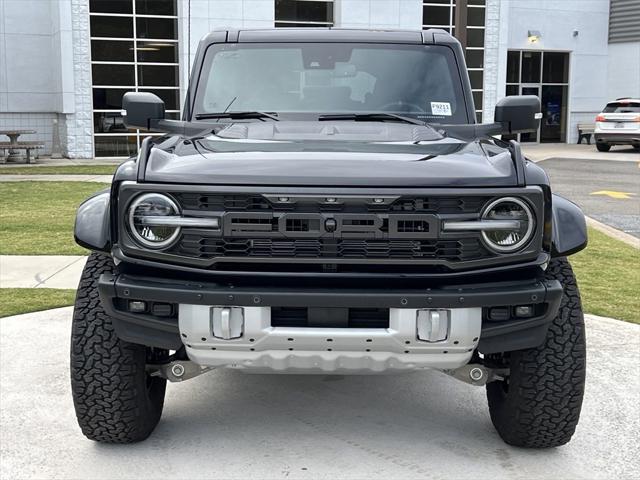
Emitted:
<point x="14" y="145"/>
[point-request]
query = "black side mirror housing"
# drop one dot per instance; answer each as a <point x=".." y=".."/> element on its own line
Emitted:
<point x="518" y="114"/>
<point x="142" y="109"/>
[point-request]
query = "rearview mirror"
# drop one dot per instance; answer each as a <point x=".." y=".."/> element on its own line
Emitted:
<point x="141" y="109"/>
<point x="518" y="114"/>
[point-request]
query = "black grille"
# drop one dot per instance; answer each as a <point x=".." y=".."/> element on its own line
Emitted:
<point x="453" y="250"/>
<point x="219" y="203"/>
<point x="329" y="230"/>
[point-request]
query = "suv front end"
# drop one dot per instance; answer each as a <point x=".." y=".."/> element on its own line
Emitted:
<point x="350" y="279"/>
<point x="369" y="225"/>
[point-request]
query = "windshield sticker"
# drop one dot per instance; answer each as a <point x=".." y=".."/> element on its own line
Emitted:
<point x="441" y="108"/>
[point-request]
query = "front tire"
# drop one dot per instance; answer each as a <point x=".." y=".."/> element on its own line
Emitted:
<point x="116" y="401"/>
<point x="538" y="405"/>
<point x="603" y="147"/>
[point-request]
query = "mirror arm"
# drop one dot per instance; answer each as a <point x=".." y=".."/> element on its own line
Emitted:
<point x="471" y="130"/>
<point x="179" y="127"/>
<point x="518" y="161"/>
<point x="165" y="125"/>
<point x="490" y="129"/>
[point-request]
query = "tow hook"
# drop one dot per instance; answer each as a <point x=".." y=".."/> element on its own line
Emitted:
<point x="177" y="371"/>
<point x="476" y="374"/>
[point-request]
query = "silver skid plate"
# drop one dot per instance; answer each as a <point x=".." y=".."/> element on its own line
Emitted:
<point x="262" y="347"/>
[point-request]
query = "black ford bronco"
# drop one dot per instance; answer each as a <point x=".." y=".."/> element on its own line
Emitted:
<point x="328" y="204"/>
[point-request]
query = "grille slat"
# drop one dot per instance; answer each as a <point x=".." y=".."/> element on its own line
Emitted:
<point x="464" y="249"/>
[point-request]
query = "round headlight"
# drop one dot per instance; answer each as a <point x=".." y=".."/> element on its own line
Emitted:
<point x="509" y="239"/>
<point x="145" y="224"/>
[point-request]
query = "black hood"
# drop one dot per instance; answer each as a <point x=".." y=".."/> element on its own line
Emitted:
<point x="329" y="154"/>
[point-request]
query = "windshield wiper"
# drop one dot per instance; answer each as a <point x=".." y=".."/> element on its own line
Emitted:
<point x="379" y="116"/>
<point x="237" y="115"/>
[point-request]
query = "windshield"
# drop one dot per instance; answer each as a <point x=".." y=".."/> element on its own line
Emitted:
<point x="419" y="81"/>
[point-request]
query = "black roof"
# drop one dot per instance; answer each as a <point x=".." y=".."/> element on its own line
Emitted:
<point x="433" y="35"/>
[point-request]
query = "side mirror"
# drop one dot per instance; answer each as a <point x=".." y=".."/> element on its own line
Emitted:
<point x="141" y="109"/>
<point x="518" y="114"/>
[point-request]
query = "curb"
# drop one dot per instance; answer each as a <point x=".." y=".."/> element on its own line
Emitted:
<point x="614" y="232"/>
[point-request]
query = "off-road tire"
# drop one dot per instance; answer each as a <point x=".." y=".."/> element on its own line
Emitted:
<point x="603" y="147"/>
<point x="538" y="406"/>
<point x="116" y="401"/>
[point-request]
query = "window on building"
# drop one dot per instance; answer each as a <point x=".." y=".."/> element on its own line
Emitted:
<point x="304" y="13"/>
<point x="134" y="47"/>
<point x="442" y="14"/>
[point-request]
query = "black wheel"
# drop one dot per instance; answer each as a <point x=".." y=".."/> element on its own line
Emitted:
<point x="637" y="148"/>
<point x="603" y="147"/>
<point x="116" y="401"/>
<point x="538" y="404"/>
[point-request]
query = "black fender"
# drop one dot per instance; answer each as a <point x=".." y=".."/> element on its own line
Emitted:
<point x="91" y="229"/>
<point x="569" y="227"/>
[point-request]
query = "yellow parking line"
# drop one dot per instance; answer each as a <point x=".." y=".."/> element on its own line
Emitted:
<point x="614" y="194"/>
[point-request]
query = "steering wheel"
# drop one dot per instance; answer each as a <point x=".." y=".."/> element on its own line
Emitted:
<point x="400" y="103"/>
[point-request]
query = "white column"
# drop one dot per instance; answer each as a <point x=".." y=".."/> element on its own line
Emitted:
<point x="495" y="56"/>
<point x="79" y="124"/>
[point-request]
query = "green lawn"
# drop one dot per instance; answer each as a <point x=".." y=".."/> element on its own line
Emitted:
<point x="608" y="273"/>
<point x="14" y="301"/>
<point x="60" y="170"/>
<point x="36" y="218"/>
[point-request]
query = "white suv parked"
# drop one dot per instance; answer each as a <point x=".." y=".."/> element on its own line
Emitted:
<point x="618" y="124"/>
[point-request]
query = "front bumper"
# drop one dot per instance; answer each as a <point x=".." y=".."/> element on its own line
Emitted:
<point x="267" y="346"/>
<point x="263" y="347"/>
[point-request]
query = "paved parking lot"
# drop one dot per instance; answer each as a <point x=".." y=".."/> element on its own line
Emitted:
<point x="229" y="425"/>
<point x="607" y="190"/>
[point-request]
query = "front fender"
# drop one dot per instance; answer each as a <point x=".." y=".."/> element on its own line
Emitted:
<point x="91" y="229"/>
<point x="569" y="227"/>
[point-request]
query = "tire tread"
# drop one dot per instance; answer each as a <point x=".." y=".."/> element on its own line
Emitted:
<point x="108" y="377"/>
<point x="546" y="387"/>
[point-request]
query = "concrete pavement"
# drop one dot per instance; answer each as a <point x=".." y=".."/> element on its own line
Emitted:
<point x="542" y="151"/>
<point x="41" y="271"/>
<point x="226" y="424"/>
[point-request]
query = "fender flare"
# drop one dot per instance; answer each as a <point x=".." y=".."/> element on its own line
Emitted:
<point x="569" y="230"/>
<point x="91" y="229"/>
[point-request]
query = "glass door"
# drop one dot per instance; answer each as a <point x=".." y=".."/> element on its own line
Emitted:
<point x="530" y="136"/>
<point x="554" y="111"/>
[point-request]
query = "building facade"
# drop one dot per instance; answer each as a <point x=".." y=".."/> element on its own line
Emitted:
<point x="65" y="64"/>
